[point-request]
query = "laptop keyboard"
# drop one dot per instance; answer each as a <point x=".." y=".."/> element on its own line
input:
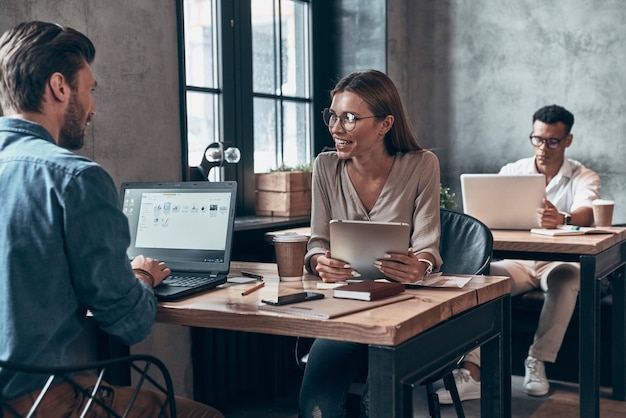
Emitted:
<point x="192" y="280"/>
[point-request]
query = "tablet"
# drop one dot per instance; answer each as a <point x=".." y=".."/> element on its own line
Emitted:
<point x="361" y="243"/>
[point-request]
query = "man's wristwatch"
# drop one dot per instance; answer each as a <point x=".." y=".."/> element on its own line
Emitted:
<point x="567" y="218"/>
<point x="430" y="267"/>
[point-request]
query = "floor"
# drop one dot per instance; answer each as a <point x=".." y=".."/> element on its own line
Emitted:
<point x="562" y="402"/>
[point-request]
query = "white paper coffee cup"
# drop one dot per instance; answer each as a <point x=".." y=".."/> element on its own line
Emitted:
<point x="603" y="212"/>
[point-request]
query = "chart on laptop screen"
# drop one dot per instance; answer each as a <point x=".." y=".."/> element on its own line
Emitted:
<point x="195" y="221"/>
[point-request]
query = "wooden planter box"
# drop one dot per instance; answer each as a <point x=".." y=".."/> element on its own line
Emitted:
<point x="283" y="193"/>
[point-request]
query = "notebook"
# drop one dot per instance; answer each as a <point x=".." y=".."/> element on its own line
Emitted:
<point x="504" y="201"/>
<point x="187" y="225"/>
<point x="368" y="290"/>
<point x="361" y="243"/>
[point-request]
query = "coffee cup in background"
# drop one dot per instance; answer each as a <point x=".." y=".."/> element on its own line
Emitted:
<point x="603" y="212"/>
<point x="290" y="250"/>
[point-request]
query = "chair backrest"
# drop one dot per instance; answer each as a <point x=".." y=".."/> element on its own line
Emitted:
<point x="147" y="370"/>
<point x="465" y="245"/>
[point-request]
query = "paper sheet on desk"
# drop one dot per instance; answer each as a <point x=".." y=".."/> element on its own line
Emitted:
<point x="443" y="281"/>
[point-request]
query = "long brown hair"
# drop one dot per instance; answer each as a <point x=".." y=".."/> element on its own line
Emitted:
<point x="382" y="98"/>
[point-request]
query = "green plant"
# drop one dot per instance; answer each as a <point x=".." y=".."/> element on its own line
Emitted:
<point x="446" y="198"/>
<point x="301" y="167"/>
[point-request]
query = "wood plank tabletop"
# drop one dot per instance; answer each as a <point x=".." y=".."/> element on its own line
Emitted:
<point x="226" y="308"/>
<point x="525" y="241"/>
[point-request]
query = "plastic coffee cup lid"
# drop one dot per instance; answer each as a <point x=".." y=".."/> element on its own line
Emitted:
<point x="603" y="202"/>
<point x="290" y="237"/>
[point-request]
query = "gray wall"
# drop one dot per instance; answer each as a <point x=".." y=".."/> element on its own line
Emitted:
<point x="473" y="72"/>
<point x="136" y="131"/>
<point x="361" y="35"/>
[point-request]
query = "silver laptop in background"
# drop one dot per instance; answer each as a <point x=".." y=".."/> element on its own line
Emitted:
<point x="504" y="201"/>
<point x="188" y="225"/>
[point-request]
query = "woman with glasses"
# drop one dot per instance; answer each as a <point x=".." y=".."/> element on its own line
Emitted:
<point x="378" y="172"/>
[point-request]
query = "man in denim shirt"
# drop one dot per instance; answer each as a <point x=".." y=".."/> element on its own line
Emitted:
<point x="63" y="236"/>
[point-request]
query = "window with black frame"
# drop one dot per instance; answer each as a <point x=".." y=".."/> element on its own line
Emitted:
<point x="281" y="83"/>
<point x="247" y="82"/>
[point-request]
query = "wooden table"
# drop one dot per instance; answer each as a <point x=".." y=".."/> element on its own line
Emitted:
<point x="598" y="256"/>
<point x="409" y="341"/>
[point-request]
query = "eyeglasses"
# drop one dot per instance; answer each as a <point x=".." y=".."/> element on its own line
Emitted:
<point x="552" y="143"/>
<point x="347" y="120"/>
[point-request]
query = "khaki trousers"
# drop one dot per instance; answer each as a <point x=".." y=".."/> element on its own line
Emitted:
<point x="561" y="282"/>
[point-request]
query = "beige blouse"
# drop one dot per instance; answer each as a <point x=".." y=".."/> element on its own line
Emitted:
<point x="411" y="195"/>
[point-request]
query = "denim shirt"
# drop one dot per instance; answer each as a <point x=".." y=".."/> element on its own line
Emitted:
<point x="63" y="242"/>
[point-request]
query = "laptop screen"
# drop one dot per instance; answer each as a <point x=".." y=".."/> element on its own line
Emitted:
<point x="188" y="225"/>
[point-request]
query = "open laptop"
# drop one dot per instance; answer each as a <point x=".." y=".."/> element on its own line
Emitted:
<point x="187" y="225"/>
<point x="361" y="243"/>
<point x="504" y="201"/>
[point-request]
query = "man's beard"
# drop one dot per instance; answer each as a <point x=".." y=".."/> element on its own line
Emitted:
<point x="72" y="134"/>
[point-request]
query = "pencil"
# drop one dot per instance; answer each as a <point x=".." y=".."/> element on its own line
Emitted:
<point x="253" y="288"/>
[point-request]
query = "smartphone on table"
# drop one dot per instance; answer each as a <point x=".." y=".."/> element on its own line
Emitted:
<point x="294" y="298"/>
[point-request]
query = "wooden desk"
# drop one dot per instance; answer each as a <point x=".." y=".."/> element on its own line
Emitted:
<point x="598" y="255"/>
<point x="409" y="341"/>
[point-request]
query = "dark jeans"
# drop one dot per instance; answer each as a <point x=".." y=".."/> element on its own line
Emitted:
<point x="330" y="370"/>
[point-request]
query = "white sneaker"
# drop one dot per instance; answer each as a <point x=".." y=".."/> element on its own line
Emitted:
<point x="468" y="388"/>
<point x="535" y="380"/>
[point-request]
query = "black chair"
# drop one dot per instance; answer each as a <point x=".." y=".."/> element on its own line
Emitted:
<point x="140" y="364"/>
<point x="465" y="246"/>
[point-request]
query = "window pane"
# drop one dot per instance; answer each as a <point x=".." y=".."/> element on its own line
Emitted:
<point x="264" y="57"/>
<point x="280" y="47"/>
<point x="296" y="126"/>
<point x="202" y="128"/>
<point x="200" y="43"/>
<point x="280" y="50"/>
<point x="294" y="43"/>
<point x="266" y="122"/>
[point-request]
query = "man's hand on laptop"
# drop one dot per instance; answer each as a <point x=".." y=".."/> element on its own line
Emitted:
<point x="150" y="270"/>
<point x="549" y="216"/>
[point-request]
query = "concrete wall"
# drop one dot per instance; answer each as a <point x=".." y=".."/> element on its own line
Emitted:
<point x="473" y="72"/>
<point x="361" y="35"/>
<point x="135" y="134"/>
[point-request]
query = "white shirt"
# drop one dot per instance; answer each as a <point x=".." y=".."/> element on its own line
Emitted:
<point x="573" y="187"/>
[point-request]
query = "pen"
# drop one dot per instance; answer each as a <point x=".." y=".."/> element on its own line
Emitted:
<point x="252" y="289"/>
<point x="254" y="276"/>
<point x="570" y="227"/>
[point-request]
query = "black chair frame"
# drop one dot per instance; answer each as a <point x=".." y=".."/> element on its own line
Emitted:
<point x="139" y="363"/>
<point x="459" y="257"/>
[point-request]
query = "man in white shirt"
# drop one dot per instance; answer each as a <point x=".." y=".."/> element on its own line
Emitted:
<point x="570" y="189"/>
